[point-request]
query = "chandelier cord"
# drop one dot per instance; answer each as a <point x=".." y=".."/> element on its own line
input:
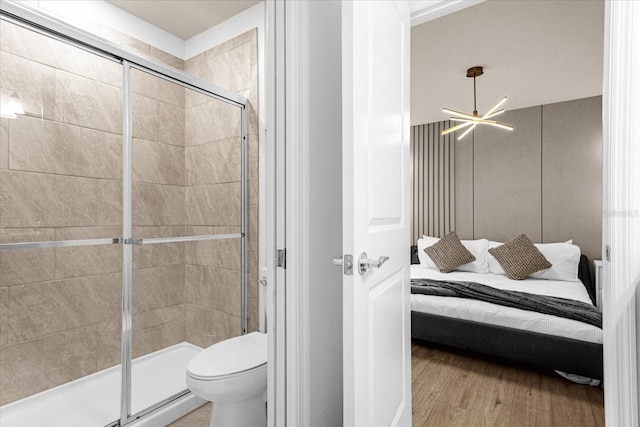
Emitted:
<point x="475" y="108"/>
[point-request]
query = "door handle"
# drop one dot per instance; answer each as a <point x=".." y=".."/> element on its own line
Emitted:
<point x="365" y="263"/>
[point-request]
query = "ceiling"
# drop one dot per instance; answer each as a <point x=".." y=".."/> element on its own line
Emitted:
<point x="184" y="18"/>
<point x="534" y="52"/>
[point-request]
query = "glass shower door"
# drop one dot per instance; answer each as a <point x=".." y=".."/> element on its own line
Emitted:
<point x="186" y="232"/>
<point x="60" y="223"/>
<point x="123" y="225"/>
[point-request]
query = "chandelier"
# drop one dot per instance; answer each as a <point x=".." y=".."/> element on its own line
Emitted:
<point x="470" y="121"/>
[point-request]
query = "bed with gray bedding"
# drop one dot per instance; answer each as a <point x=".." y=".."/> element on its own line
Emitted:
<point x="546" y="350"/>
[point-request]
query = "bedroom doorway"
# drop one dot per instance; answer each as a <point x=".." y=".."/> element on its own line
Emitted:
<point x="298" y="355"/>
<point x="448" y="88"/>
<point x="620" y="275"/>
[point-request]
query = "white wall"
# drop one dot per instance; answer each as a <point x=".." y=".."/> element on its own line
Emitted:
<point x="87" y="13"/>
<point x="325" y="287"/>
<point x="78" y="12"/>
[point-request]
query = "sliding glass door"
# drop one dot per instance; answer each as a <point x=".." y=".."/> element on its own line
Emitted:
<point x="123" y="221"/>
<point x="60" y="221"/>
<point x="186" y="236"/>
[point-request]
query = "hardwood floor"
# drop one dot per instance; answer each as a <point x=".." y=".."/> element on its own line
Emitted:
<point x="463" y="389"/>
<point x="456" y="388"/>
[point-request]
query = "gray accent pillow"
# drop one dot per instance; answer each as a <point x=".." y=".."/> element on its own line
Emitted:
<point x="449" y="253"/>
<point x="519" y="257"/>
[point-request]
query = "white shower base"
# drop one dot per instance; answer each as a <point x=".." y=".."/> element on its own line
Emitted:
<point x="94" y="400"/>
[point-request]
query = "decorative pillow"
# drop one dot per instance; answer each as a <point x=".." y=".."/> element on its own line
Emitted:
<point x="478" y="249"/>
<point x="564" y="258"/>
<point x="449" y="253"/>
<point x="519" y="257"/>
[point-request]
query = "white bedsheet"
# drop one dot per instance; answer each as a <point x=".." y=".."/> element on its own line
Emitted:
<point x="480" y="311"/>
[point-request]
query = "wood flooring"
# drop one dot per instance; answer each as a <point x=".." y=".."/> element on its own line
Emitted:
<point x="464" y="389"/>
<point x="456" y="388"/>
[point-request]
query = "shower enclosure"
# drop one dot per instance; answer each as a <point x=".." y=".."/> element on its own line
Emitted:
<point x="123" y="224"/>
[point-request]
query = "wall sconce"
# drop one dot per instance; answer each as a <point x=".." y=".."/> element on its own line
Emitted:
<point x="10" y="106"/>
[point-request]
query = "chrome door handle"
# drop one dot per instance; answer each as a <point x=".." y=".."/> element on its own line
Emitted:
<point x="365" y="263"/>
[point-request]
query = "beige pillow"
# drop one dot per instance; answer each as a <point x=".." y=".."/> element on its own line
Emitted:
<point x="519" y="257"/>
<point x="449" y="253"/>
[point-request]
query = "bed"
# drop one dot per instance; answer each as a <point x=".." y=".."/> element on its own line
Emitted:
<point x="543" y="340"/>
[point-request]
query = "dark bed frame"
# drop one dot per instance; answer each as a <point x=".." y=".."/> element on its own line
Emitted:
<point x="542" y="350"/>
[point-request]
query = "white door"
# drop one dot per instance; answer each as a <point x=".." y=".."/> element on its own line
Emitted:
<point x="377" y="342"/>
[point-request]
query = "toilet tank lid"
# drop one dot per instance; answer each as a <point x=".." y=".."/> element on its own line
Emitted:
<point x="230" y="356"/>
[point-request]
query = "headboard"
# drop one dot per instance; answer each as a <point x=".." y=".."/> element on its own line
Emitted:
<point x="414" y="255"/>
<point x="584" y="275"/>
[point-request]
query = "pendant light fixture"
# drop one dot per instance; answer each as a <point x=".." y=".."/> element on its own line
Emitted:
<point x="470" y="121"/>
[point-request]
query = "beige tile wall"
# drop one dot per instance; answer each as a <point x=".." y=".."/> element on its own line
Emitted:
<point x="212" y="159"/>
<point x="60" y="170"/>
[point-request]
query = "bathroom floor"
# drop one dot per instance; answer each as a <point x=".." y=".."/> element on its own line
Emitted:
<point x="198" y="418"/>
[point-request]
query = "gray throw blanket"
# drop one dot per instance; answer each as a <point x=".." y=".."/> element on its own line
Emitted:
<point x="561" y="307"/>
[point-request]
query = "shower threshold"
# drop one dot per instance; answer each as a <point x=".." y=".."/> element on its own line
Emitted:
<point x="94" y="400"/>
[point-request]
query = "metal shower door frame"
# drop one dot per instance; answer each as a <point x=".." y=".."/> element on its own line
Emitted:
<point x="34" y="20"/>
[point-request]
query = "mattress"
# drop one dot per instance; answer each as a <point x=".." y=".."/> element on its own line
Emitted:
<point x="484" y="312"/>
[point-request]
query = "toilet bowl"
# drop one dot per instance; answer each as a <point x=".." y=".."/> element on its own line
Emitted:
<point x="233" y="375"/>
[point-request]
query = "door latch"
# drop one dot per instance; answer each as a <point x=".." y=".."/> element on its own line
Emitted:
<point x="346" y="263"/>
<point x="282" y="258"/>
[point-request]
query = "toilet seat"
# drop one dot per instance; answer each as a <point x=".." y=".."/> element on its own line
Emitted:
<point x="230" y="357"/>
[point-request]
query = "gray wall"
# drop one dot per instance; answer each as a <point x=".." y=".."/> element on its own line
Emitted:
<point x="543" y="179"/>
<point x="325" y="288"/>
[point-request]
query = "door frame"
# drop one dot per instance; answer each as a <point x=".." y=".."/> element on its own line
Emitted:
<point x="292" y="401"/>
<point x="289" y="77"/>
<point x="621" y="207"/>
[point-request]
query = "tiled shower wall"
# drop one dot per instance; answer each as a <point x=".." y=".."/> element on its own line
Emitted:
<point x="213" y="192"/>
<point x="60" y="180"/>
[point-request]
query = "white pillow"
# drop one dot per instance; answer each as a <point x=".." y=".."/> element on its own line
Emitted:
<point x="492" y="262"/>
<point x="564" y="258"/>
<point x="423" y="243"/>
<point x="477" y="247"/>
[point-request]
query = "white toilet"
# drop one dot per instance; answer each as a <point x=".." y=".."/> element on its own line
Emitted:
<point x="233" y="375"/>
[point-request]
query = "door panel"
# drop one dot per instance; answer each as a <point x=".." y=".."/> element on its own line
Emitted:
<point x="387" y="347"/>
<point x="377" y="386"/>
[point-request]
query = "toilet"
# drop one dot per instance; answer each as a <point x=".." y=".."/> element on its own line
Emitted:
<point x="233" y="375"/>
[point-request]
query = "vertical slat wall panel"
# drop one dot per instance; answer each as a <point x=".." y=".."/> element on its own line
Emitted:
<point x="433" y="166"/>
